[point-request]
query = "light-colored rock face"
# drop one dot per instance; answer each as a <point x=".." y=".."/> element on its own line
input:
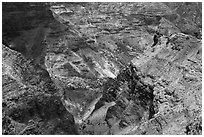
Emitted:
<point x="120" y="33"/>
<point x="118" y="68"/>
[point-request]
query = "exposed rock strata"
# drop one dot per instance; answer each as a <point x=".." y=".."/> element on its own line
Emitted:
<point x="110" y="68"/>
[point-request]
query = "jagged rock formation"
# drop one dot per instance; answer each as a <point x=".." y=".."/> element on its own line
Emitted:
<point x="31" y="103"/>
<point x="30" y="99"/>
<point x="107" y="68"/>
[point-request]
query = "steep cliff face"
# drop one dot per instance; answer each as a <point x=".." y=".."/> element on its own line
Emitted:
<point x="108" y="68"/>
<point x="31" y="104"/>
<point x="30" y="99"/>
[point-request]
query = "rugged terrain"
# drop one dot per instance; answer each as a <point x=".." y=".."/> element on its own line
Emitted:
<point x="102" y="68"/>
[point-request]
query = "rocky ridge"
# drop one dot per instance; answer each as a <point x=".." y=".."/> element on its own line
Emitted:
<point x="110" y="68"/>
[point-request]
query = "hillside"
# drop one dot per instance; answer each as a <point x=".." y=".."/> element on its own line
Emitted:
<point x="102" y="68"/>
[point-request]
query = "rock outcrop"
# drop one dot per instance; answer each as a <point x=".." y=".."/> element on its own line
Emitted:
<point x="107" y="68"/>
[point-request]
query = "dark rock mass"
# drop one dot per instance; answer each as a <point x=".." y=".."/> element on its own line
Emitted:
<point x="98" y="68"/>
